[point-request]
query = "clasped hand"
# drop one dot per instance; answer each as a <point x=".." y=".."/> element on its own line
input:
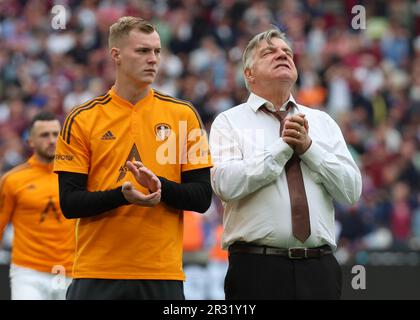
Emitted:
<point x="295" y="133"/>
<point x="147" y="179"/>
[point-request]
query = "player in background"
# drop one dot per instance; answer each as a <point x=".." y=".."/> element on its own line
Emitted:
<point x="43" y="243"/>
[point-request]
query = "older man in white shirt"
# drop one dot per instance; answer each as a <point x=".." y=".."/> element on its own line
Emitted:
<point x="278" y="167"/>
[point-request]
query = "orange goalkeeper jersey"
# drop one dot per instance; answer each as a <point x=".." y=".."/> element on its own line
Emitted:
<point x="131" y="242"/>
<point x="29" y="199"/>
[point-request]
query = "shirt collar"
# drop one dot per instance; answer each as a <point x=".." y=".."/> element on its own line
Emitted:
<point x="36" y="163"/>
<point x="121" y="101"/>
<point x="255" y="102"/>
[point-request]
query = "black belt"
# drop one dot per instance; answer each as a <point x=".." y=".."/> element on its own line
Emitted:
<point x="292" y="253"/>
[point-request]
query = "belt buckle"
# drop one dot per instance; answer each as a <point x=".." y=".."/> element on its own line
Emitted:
<point x="291" y="252"/>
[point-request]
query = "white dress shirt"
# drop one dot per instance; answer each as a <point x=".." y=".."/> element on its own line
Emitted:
<point x="248" y="175"/>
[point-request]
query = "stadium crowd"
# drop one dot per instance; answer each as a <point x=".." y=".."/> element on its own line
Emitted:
<point x="367" y="78"/>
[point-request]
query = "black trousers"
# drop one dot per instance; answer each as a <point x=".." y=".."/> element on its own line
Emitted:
<point x="268" y="277"/>
<point x="108" y="289"/>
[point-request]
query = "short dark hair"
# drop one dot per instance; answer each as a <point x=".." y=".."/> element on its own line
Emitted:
<point x="42" y="116"/>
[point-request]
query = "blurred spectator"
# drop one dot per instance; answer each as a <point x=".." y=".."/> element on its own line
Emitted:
<point x="77" y="96"/>
<point x="368" y="79"/>
<point x="401" y="213"/>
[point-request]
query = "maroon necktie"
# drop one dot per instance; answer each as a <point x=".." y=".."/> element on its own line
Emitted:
<point x="301" y="227"/>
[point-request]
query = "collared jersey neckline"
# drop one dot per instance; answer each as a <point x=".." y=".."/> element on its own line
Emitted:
<point x="33" y="161"/>
<point x="122" y="102"/>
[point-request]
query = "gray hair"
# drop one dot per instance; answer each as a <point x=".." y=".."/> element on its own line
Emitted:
<point x="253" y="44"/>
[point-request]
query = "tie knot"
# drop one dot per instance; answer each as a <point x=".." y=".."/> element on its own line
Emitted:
<point x="280" y="115"/>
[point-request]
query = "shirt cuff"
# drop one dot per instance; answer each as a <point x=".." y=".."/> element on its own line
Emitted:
<point x="314" y="156"/>
<point x="280" y="151"/>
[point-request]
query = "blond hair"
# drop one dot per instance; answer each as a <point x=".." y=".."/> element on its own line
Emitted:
<point x="124" y="25"/>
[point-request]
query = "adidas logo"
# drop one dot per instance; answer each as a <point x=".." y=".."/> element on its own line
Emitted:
<point x="108" y="136"/>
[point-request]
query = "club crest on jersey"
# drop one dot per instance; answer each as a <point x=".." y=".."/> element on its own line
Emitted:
<point x="162" y="131"/>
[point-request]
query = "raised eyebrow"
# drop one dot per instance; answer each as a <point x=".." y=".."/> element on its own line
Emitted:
<point x="269" y="49"/>
<point x="273" y="48"/>
<point x="287" y="50"/>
